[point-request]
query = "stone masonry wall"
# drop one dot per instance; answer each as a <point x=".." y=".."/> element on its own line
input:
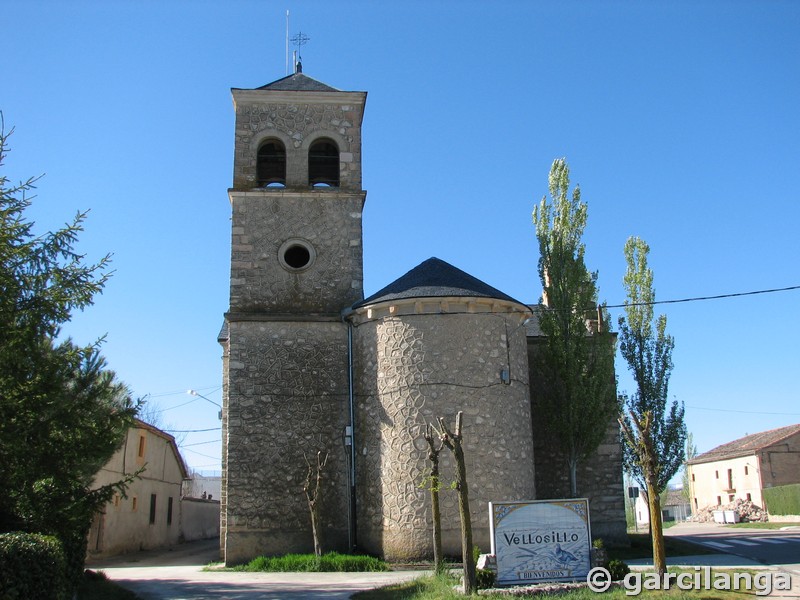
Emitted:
<point x="224" y="341"/>
<point x="411" y="370"/>
<point x="296" y="121"/>
<point x="599" y="478"/>
<point x="287" y="396"/>
<point x="780" y="463"/>
<point x="328" y="221"/>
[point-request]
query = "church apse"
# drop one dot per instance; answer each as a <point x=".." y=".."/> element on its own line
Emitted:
<point x="420" y="358"/>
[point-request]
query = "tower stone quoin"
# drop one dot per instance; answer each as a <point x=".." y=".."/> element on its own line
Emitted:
<point x="311" y="366"/>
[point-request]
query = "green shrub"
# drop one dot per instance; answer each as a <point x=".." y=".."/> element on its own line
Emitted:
<point x="617" y="569"/>
<point x="485" y="578"/>
<point x="31" y="566"/>
<point x="96" y="586"/>
<point x="476" y="553"/>
<point x="783" y="500"/>
<point x="330" y="562"/>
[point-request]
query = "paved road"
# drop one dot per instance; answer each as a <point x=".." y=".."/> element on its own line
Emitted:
<point x="766" y="546"/>
<point x="775" y="548"/>
<point x="179" y="575"/>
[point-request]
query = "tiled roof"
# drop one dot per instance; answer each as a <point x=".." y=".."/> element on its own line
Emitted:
<point x="435" y="278"/>
<point x="298" y="82"/>
<point x="747" y="445"/>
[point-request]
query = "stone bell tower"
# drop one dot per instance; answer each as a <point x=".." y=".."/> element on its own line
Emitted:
<point x="296" y="263"/>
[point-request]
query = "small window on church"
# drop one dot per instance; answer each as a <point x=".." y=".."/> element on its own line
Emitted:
<point x="323" y="164"/>
<point x="271" y="164"/>
<point x="296" y="255"/>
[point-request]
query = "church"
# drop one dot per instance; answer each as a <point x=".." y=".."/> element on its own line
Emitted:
<point x="311" y="365"/>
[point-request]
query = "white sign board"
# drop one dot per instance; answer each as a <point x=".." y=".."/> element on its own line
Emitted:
<point x="544" y="540"/>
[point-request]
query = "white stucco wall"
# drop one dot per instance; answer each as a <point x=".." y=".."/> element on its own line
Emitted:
<point x="199" y="519"/>
<point x="723" y="481"/>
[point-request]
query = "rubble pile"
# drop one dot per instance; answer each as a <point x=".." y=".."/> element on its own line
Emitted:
<point x="748" y="512"/>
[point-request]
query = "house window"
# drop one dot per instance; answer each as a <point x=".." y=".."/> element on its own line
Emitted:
<point x="745" y="470"/>
<point x="323" y="164"/>
<point x="716" y="474"/>
<point x="731" y="497"/>
<point x="719" y="501"/>
<point x="152" y="509"/>
<point x="134" y="503"/>
<point x="695" y="503"/>
<point x="142" y="444"/>
<point x="749" y="498"/>
<point x="730" y="479"/>
<point x="692" y="476"/>
<point x="169" y="510"/>
<point x="271" y="164"/>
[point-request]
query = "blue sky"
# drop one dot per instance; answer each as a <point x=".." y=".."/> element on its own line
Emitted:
<point x="679" y="120"/>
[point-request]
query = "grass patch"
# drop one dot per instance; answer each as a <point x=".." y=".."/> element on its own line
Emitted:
<point x="642" y="547"/>
<point x="330" y="562"/>
<point x="770" y="525"/>
<point x="96" y="586"/>
<point x="433" y="587"/>
<point x="442" y="588"/>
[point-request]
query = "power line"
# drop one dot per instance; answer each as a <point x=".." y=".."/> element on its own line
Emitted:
<point x="747" y="412"/>
<point x="717" y="297"/>
<point x="201" y="443"/>
<point x="213" y="389"/>
<point x="203" y="455"/>
<point x="192" y="430"/>
<point x="161" y="410"/>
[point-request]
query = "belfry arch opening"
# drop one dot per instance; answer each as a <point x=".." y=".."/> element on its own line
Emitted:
<point x="323" y="163"/>
<point x="271" y="164"/>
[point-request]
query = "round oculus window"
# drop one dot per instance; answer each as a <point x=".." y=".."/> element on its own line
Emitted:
<point x="296" y="255"/>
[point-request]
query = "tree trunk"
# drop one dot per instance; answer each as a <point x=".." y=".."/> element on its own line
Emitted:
<point x="657" y="529"/>
<point x="466" y="522"/>
<point x="437" y="524"/>
<point x="453" y="443"/>
<point x="433" y="456"/>
<point x="313" y="496"/>
<point x="315" y="527"/>
<point x="572" y="463"/>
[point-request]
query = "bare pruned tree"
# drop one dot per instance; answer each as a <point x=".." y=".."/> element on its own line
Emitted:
<point x="452" y="440"/>
<point x="433" y="484"/>
<point x="312" y="489"/>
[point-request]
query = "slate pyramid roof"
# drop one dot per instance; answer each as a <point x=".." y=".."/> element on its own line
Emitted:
<point x="747" y="445"/>
<point x="298" y="82"/>
<point x="435" y="278"/>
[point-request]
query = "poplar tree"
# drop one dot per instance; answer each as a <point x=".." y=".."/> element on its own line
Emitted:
<point x="691" y="452"/>
<point x="576" y="364"/>
<point x="654" y="431"/>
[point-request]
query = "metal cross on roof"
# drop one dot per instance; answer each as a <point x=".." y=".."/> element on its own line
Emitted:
<point x="301" y="39"/>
